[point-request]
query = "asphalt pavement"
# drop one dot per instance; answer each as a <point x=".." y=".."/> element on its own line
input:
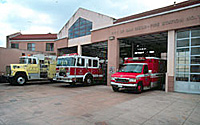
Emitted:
<point x="61" y="104"/>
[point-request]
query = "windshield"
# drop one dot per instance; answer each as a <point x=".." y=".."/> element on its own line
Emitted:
<point x="132" y="68"/>
<point x="23" y="60"/>
<point x="70" y="61"/>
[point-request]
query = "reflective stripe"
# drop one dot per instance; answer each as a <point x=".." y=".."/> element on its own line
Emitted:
<point x="78" y="76"/>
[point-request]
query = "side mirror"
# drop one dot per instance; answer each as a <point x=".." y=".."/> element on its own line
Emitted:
<point x="150" y="71"/>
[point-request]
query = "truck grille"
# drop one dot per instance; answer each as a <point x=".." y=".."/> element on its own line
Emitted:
<point x="8" y="70"/>
<point x="122" y="80"/>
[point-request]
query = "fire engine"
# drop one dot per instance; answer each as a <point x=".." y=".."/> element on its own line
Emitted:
<point x="31" y="67"/>
<point x="74" y="68"/>
<point x="140" y="73"/>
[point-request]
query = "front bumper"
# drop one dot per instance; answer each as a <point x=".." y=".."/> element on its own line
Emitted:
<point x="121" y="85"/>
<point x="63" y="79"/>
<point x="8" y="78"/>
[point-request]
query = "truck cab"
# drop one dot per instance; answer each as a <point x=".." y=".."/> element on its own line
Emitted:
<point x="138" y="74"/>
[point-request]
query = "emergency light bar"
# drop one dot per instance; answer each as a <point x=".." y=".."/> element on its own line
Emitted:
<point x="126" y="60"/>
<point x="71" y="54"/>
<point x="136" y="59"/>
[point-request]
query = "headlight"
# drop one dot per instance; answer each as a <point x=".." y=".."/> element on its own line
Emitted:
<point x="132" y="80"/>
<point x="12" y="72"/>
<point x="112" y="78"/>
<point x="15" y="67"/>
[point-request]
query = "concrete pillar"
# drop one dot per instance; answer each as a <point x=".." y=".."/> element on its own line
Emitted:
<point x="170" y="62"/>
<point x="132" y="49"/>
<point x="113" y="58"/>
<point x="79" y="49"/>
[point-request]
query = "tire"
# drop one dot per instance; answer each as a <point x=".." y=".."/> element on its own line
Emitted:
<point x="20" y="79"/>
<point x="51" y="80"/>
<point x="140" y="87"/>
<point x="115" y="89"/>
<point x="88" y="80"/>
<point x="72" y="84"/>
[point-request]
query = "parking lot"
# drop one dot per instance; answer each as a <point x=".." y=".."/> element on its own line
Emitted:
<point x="59" y="103"/>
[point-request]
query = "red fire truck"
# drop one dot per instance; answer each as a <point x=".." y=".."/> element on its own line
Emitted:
<point x="73" y="68"/>
<point x="140" y="73"/>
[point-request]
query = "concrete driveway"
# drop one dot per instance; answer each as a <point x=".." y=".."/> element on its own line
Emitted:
<point x="58" y="103"/>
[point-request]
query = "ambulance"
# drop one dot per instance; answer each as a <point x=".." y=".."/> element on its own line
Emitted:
<point x="140" y="73"/>
<point x="74" y="68"/>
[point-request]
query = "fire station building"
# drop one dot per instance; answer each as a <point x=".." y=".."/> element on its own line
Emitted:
<point x="171" y="33"/>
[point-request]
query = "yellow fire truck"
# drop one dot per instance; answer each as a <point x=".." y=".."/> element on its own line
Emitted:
<point x="31" y="67"/>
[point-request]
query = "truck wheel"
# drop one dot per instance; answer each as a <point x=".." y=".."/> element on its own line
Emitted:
<point x="140" y="88"/>
<point x="51" y="80"/>
<point x="20" y="79"/>
<point x="72" y="84"/>
<point x="115" y="89"/>
<point x="88" y="80"/>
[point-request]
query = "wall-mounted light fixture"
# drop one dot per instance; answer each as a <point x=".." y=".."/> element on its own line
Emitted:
<point x="111" y="37"/>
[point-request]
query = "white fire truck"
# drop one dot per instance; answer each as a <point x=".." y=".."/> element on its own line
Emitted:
<point x="74" y="68"/>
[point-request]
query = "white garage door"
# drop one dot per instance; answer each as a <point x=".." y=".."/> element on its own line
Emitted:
<point x="187" y="71"/>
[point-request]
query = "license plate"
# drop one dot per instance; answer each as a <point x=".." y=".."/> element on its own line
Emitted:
<point x="120" y="86"/>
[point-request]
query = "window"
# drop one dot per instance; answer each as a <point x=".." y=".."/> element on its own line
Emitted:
<point x="89" y="62"/>
<point x="15" y="45"/>
<point x="80" y="28"/>
<point x="145" y="69"/>
<point x="29" y="61"/>
<point x="81" y="62"/>
<point x="188" y="55"/>
<point x="34" y="61"/>
<point x="31" y="46"/>
<point x="95" y="63"/>
<point x="49" y="46"/>
<point x="131" y="68"/>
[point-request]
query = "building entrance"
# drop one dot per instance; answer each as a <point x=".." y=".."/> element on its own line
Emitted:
<point x="152" y="45"/>
<point x="98" y="50"/>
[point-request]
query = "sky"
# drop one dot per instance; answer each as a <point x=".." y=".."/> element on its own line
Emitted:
<point x="49" y="16"/>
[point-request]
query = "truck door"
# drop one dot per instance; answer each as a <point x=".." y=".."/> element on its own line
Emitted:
<point x="33" y="68"/>
<point x="80" y="70"/>
<point x="89" y="65"/>
<point x="147" y="80"/>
